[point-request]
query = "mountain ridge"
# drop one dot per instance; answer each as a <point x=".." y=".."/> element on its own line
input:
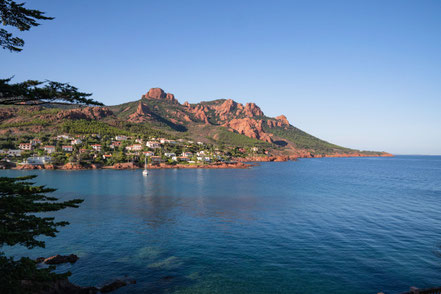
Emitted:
<point x="220" y="121"/>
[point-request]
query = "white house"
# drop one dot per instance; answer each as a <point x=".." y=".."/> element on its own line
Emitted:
<point x="134" y="147"/>
<point x="121" y="138"/>
<point x="115" y="144"/>
<point x="163" y="141"/>
<point x="63" y="137"/>
<point x="14" y="152"/>
<point x="156" y="159"/>
<point x="76" y="142"/>
<point x="35" y="142"/>
<point x="67" y="148"/>
<point x="153" y="144"/>
<point x="187" y="154"/>
<point x="96" y="147"/>
<point x="25" y="146"/>
<point x="39" y="160"/>
<point x="49" y="149"/>
<point x="254" y="149"/>
<point x="200" y="143"/>
<point x="201" y="153"/>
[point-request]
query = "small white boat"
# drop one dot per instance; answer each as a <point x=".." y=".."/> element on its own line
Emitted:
<point x="145" y="171"/>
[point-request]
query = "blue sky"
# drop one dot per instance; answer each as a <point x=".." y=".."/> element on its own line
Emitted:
<point x="362" y="74"/>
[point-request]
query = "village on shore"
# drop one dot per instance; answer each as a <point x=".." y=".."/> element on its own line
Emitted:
<point x="120" y="152"/>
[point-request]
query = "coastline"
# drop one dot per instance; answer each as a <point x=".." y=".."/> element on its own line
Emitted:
<point x="282" y="158"/>
<point x="238" y="163"/>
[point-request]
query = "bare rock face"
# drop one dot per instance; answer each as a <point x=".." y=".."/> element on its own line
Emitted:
<point x="155" y="93"/>
<point x="89" y="113"/>
<point x="226" y="109"/>
<point x="252" y="110"/>
<point x="283" y="120"/>
<point x="249" y="127"/>
<point x="159" y="94"/>
<point x="141" y="114"/>
<point x="279" y="121"/>
<point x="71" y="166"/>
<point x="200" y="113"/>
<point x="125" y="165"/>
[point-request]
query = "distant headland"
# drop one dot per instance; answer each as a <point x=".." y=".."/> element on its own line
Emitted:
<point x="211" y="134"/>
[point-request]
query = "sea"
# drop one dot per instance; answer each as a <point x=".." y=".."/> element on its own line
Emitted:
<point x="325" y="225"/>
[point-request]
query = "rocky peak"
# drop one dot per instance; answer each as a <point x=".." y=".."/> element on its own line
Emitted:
<point x="141" y="114"/>
<point x="251" y="110"/>
<point x="283" y="119"/>
<point x="226" y="109"/>
<point x="159" y="94"/>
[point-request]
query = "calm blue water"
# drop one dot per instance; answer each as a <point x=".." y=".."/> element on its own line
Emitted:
<point x="357" y="225"/>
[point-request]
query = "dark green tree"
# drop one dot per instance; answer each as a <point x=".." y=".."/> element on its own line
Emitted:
<point x="20" y="199"/>
<point x="38" y="92"/>
<point x="14" y="14"/>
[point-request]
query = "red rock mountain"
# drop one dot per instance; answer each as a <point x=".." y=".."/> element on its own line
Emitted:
<point x="208" y="121"/>
<point x="248" y="119"/>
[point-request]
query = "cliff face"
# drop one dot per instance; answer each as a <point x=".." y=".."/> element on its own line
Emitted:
<point x="159" y="94"/>
<point x="141" y="114"/>
<point x="246" y="119"/>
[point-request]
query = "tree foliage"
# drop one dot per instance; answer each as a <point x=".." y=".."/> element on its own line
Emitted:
<point x="38" y="92"/>
<point x="16" y="15"/>
<point x="20" y="199"/>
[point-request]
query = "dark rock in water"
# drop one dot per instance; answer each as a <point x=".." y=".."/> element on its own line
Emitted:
<point x="167" y="278"/>
<point x="59" y="287"/>
<point x="116" y="285"/>
<point x="57" y="259"/>
<point x="66" y="287"/>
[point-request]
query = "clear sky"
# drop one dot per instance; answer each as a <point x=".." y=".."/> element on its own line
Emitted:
<point x="362" y="74"/>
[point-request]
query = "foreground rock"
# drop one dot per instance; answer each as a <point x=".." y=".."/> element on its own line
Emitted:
<point x="58" y="287"/>
<point x="116" y="285"/>
<point x="66" y="287"/>
<point x="58" y="259"/>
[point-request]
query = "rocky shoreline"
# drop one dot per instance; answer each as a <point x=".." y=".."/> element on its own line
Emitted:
<point x="281" y="158"/>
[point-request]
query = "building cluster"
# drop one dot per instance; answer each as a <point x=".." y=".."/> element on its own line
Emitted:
<point x="93" y="147"/>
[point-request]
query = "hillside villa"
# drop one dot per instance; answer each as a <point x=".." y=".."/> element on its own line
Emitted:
<point x="25" y="146"/>
<point x="49" y="149"/>
<point x="38" y="160"/>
